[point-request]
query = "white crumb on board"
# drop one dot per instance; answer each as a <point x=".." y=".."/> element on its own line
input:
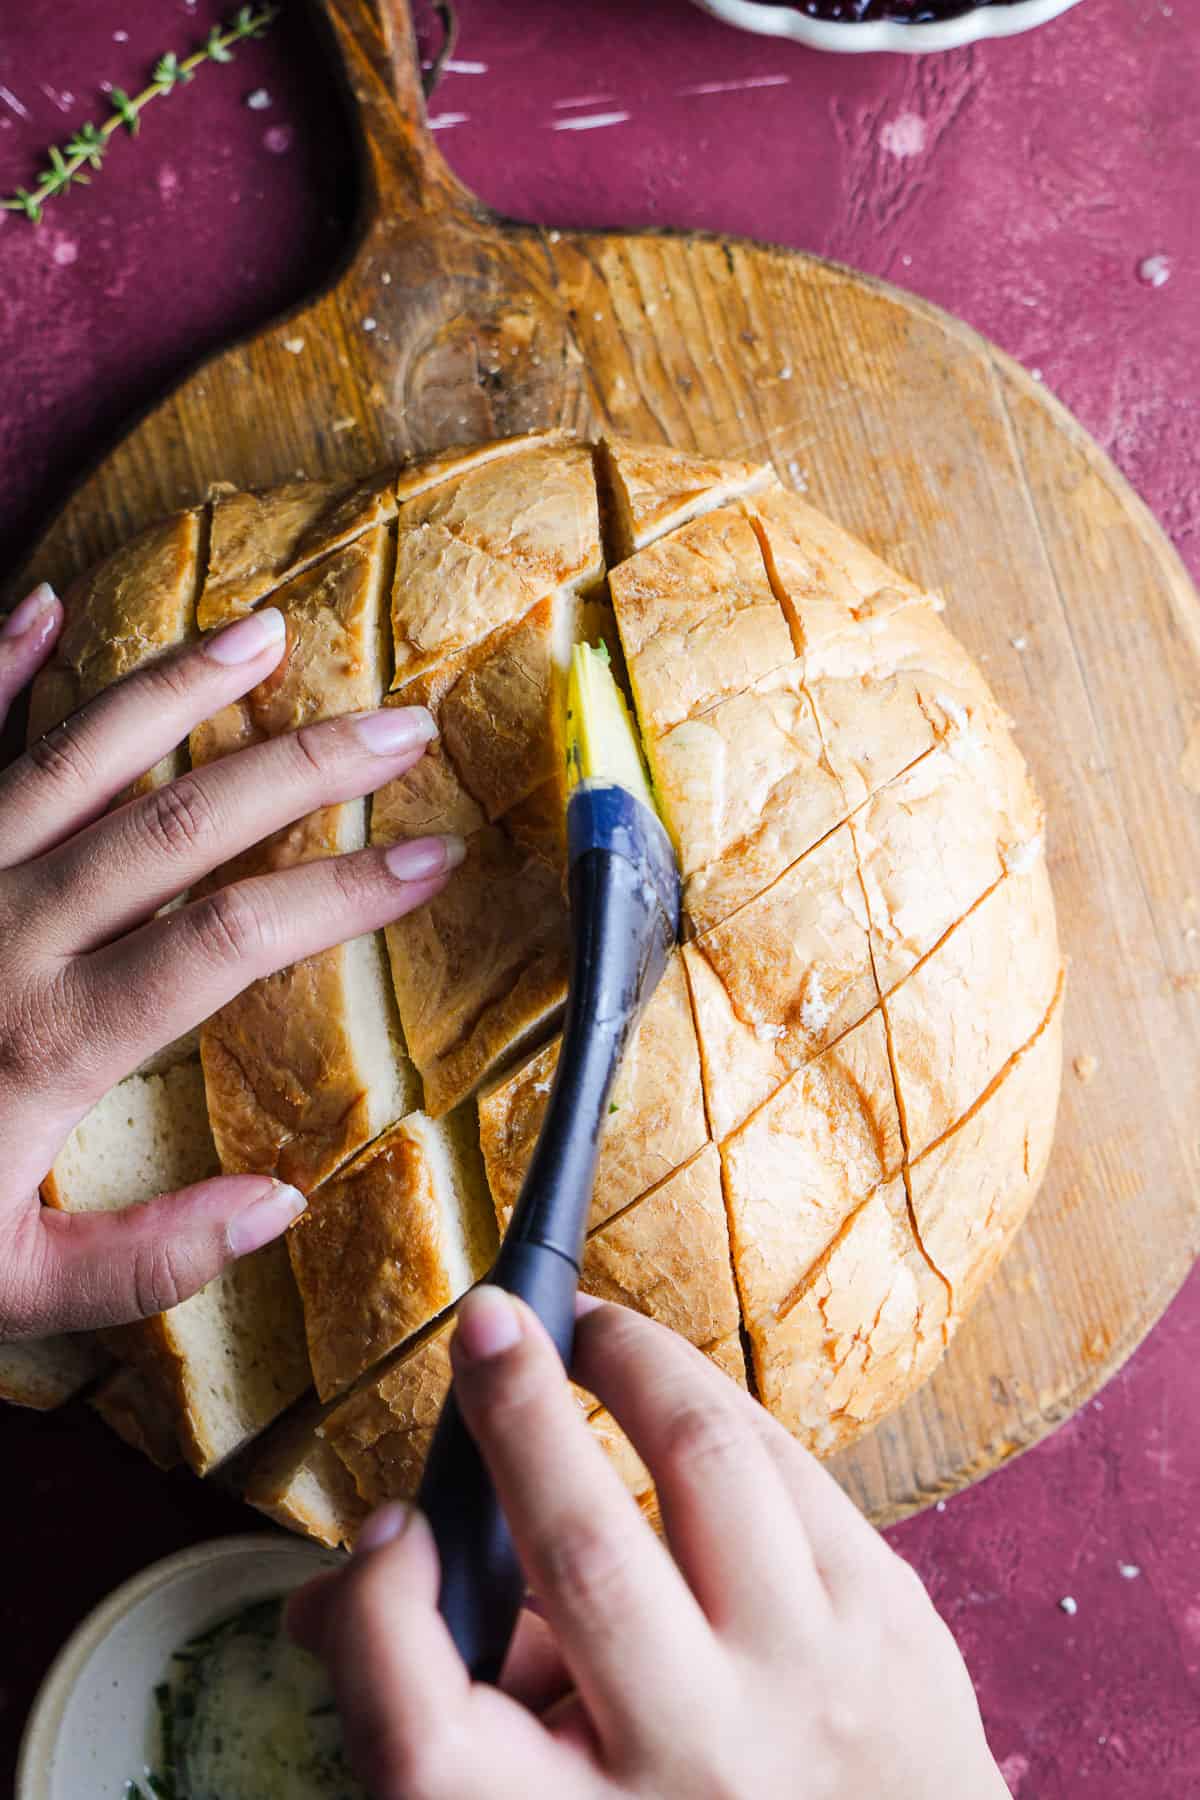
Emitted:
<point x="444" y="121"/>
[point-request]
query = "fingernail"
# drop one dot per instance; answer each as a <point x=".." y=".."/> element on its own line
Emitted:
<point x="384" y="1526"/>
<point x="264" y="1219"/>
<point x="422" y="857"/>
<point x="395" y="728"/>
<point x="586" y="1303"/>
<point x="487" y="1325"/>
<point x="247" y="638"/>
<point x="33" y="610"/>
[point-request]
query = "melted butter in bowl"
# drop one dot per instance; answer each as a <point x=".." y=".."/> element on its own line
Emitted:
<point x="245" y="1714"/>
<point x="93" y="1733"/>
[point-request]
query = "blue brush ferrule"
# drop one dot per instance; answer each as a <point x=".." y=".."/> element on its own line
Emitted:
<point x="603" y="816"/>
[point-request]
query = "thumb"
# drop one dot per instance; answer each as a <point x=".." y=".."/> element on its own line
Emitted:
<point x="106" y="1268"/>
<point x="27" y="636"/>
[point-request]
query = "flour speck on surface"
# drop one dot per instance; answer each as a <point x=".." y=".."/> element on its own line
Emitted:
<point x="278" y="140"/>
<point x="904" y="135"/>
<point x="259" y="100"/>
<point x="1155" y="271"/>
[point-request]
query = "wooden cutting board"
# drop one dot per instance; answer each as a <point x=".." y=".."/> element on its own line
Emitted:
<point x="450" y="324"/>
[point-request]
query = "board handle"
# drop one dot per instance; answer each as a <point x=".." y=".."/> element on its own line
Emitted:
<point x="407" y="181"/>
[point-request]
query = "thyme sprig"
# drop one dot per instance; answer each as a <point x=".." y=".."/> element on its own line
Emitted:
<point x="67" y="164"/>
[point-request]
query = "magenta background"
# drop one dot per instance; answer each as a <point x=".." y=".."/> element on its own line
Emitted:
<point x="1040" y="173"/>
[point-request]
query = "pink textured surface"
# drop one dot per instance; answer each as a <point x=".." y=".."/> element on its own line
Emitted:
<point x="1022" y="185"/>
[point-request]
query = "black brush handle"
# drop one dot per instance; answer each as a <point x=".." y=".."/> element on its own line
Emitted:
<point x="623" y="925"/>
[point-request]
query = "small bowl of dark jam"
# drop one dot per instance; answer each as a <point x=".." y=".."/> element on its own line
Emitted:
<point x="904" y="25"/>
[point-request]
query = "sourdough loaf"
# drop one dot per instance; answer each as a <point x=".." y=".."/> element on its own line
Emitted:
<point x="840" y="1101"/>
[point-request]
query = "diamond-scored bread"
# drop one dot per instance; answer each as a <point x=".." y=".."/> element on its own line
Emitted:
<point x="841" y="1099"/>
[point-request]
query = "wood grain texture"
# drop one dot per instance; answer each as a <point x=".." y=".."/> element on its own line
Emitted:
<point x="449" y="324"/>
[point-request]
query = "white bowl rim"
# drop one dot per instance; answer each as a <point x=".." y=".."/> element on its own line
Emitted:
<point x="887" y="34"/>
<point x="40" y="1735"/>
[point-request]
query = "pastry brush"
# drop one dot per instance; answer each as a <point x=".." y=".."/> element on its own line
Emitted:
<point x="623" y="883"/>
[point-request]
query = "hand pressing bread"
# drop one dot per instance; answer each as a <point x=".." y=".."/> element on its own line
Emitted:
<point x="98" y="971"/>
<point x="779" y="1650"/>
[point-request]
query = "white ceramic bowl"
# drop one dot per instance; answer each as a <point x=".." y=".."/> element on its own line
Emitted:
<point x="886" y="34"/>
<point x="91" y="1727"/>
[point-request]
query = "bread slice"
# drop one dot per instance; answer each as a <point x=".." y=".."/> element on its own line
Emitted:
<point x="228" y="1360"/>
<point x="43" y="1373"/>
<point x="656" y="1117"/>
<point x="972" y="1190"/>
<point x="132" y="1406"/>
<point x="800" y="1166"/>
<point x="426" y="472"/>
<point x="867" y="1327"/>
<point x="306" y="1066"/>
<point x="135" y="606"/>
<point x="959" y="1019"/>
<point x="668" y="1255"/>
<point x="745" y="790"/>
<point x="780" y="979"/>
<point x="382" y="1431"/>
<point x="391" y="1242"/>
<point x="828" y="582"/>
<point x="258" y="541"/>
<point x="482" y="969"/>
<point x="148" y="1135"/>
<point x="534" y="510"/>
<point x="653" y="490"/>
<point x="499" y="706"/>
<point x="933" y="842"/>
<point x="295" y="1478"/>
<point x="699" y="619"/>
<point x="448" y="594"/>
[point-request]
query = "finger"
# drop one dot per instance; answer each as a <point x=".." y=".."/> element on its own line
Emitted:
<point x="727" y="1514"/>
<point x="414" y="1726"/>
<point x="121" y="869"/>
<point x="163" y="980"/>
<point x="632" y="1636"/>
<point x="70" y="776"/>
<point x="80" y="1271"/>
<point x="27" y="637"/>
<point x="534" y="1673"/>
<point x="845" y="1545"/>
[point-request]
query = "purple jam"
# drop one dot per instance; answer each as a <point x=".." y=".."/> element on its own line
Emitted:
<point x="908" y="12"/>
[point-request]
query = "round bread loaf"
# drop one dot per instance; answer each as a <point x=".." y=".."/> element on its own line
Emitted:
<point x="840" y="1101"/>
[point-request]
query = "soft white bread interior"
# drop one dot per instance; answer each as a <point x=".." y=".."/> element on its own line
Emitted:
<point x="390" y="1242"/>
<point x="43" y="1373"/>
<point x="305" y="1066"/>
<point x="228" y="1360"/>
